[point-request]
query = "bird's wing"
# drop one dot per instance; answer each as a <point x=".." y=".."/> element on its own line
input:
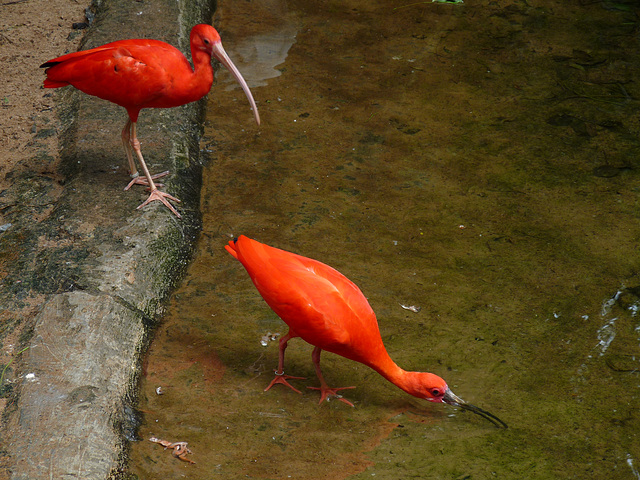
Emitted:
<point x="128" y="73"/>
<point x="308" y="303"/>
<point x="335" y="287"/>
<point x="320" y="304"/>
<point x="105" y="47"/>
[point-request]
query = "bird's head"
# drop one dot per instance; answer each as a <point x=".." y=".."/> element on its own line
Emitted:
<point x="426" y="386"/>
<point x="205" y="38"/>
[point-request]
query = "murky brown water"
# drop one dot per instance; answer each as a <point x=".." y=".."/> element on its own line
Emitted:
<point x="479" y="161"/>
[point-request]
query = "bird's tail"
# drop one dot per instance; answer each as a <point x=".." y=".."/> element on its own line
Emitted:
<point x="48" y="83"/>
<point x="53" y="84"/>
<point x="231" y="248"/>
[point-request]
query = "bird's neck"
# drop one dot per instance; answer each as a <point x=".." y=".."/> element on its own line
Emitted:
<point x="414" y="383"/>
<point x="202" y="70"/>
<point x="390" y="370"/>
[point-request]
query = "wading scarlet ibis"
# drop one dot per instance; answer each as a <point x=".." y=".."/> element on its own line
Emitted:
<point x="327" y="310"/>
<point x="139" y="73"/>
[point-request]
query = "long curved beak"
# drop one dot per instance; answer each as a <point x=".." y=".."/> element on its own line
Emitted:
<point x="454" y="400"/>
<point x="224" y="59"/>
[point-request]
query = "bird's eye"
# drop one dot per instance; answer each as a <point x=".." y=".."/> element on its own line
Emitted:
<point x="206" y="42"/>
<point x="435" y="392"/>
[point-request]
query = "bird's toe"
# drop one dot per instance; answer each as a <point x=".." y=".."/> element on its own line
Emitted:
<point x="162" y="197"/>
<point x="327" y="394"/>
<point x="282" y="378"/>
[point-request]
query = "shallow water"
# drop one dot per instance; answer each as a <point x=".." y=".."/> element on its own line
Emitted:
<point x="478" y="161"/>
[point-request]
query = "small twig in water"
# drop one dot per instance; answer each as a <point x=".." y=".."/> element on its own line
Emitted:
<point x="453" y="2"/>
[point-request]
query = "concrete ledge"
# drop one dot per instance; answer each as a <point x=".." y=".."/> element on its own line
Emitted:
<point x="99" y="270"/>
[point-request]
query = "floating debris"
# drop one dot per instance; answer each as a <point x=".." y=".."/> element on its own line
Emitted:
<point x="413" y="308"/>
<point x="180" y="449"/>
<point x="269" y="337"/>
<point x="606" y="334"/>
<point x="623" y="362"/>
<point x="159" y="391"/>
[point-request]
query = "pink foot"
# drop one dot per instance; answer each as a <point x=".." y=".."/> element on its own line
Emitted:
<point x="141" y="180"/>
<point x="162" y="197"/>
<point x="282" y="378"/>
<point x="327" y="393"/>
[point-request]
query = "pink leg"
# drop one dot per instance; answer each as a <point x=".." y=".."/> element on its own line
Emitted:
<point x="133" y="171"/>
<point x="126" y="143"/>
<point x="155" y="193"/>
<point x="280" y="375"/>
<point x="326" y="392"/>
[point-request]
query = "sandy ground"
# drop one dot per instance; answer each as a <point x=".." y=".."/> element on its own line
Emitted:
<point x="31" y="32"/>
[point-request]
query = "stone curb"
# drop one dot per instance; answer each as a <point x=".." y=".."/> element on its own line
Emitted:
<point x="103" y="269"/>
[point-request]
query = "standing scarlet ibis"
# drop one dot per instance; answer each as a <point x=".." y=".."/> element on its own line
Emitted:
<point x="327" y="310"/>
<point x="137" y="74"/>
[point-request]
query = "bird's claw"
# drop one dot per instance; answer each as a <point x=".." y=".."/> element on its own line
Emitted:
<point x="162" y="197"/>
<point x="136" y="179"/>
<point x="327" y="394"/>
<point x="282" y="378"/>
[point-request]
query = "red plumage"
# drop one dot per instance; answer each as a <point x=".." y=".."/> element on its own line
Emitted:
<point x="327" y="310"/>
<point x="141" y="73"/>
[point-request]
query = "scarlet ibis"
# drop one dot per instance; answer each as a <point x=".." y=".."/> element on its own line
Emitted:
<point x="140" y="73"/>
<point x="327" y="310"/>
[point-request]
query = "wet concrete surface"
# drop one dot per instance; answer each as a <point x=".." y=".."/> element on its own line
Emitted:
<point x="95" y="270"/>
